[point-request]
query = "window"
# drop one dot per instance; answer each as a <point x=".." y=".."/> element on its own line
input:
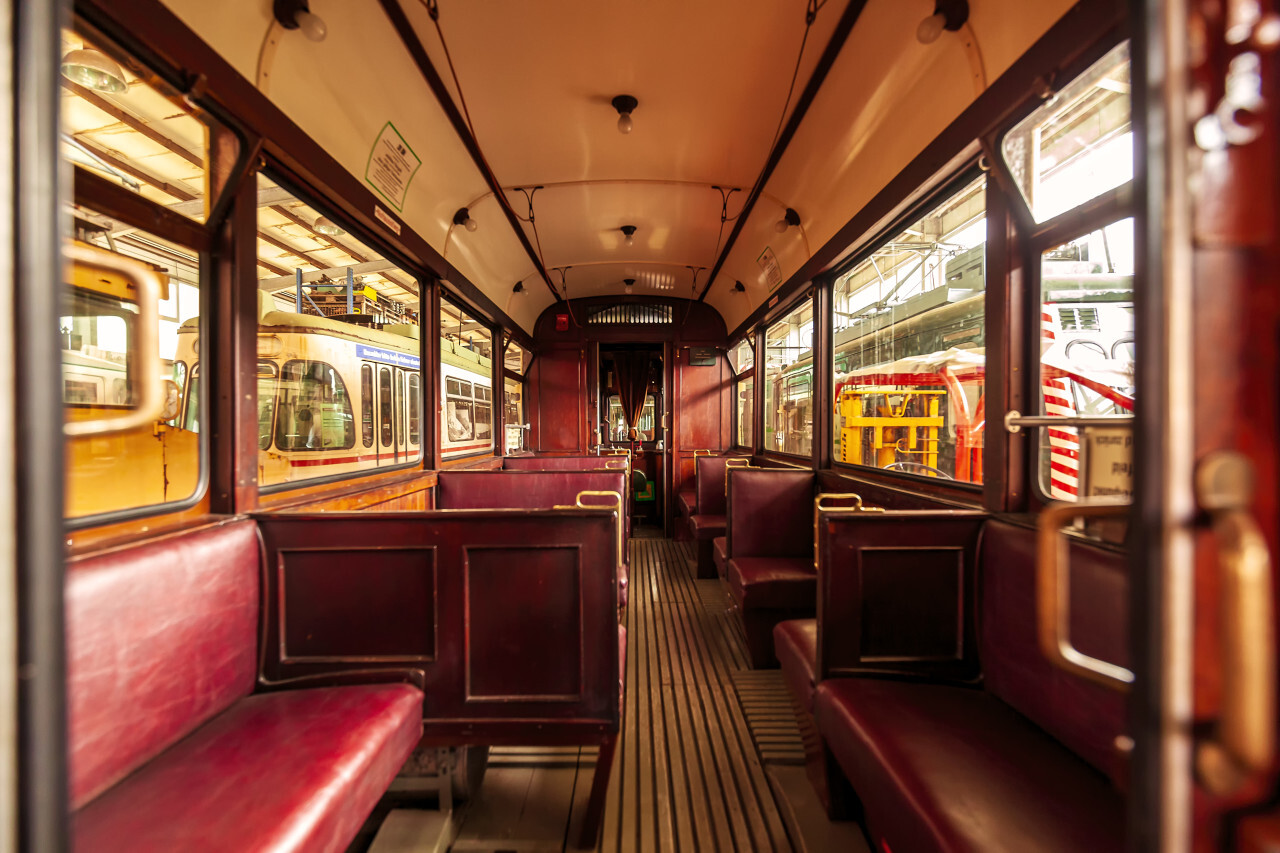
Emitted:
<point x="366" y="404"/>
<point x="385" y="404"/>
<point x="352" y="309"/>
<point x="909" y="346"/>
<point x="788" y="391"/>
<point x="516" y="359"/>
<point x="1077" y="147"/>
<point x="618" y="422"/>
<point x="1078" y="144"/>
<point x="314" y="411"/>
<point x="1087" y="356"/>
<point x="466" y="350"/>
<point x="267" y="373"/>
<point x="743" y="359"/>
<point x="415" y="406"/>
<point x="513" y="415"/>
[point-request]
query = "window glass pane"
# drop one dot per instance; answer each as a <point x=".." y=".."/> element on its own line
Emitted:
<point x="788" y="421"/>
<point x="1087" y="359"/>
<point x="366" y="404"/>
<point x="743" y="356"/>
<point x="1078" y="144"/>
<point x="618" y="422"/>
<point x="267" y="372"/>
<point x="517" y="358"/>
<point x="385" y="403"/>
<point x="514" y="415"/>
<point x="314" y="411"/>
<point x="746" y="411"/>
<point x="355" y="311"/>
<point x="415" y="406"/>
<point x="465" y="352"/>
<point x="909" y="347"/>
<point x="131" y="133"/>
<point x="104" y="367"/>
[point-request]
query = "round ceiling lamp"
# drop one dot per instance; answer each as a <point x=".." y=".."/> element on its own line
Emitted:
<point x="625" y="105"/>
<point x="94" y="70"/>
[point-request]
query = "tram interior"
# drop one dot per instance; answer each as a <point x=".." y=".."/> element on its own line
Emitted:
<point x="561" y="426"/>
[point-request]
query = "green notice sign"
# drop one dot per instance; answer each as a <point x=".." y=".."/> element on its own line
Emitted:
<point x="392" y="165"/>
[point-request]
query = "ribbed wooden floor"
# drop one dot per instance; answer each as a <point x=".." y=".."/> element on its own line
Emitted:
<point x="687" y="774"/>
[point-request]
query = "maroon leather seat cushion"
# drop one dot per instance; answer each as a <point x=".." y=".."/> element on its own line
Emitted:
<point x="796" y="644"/>
<point x="771" y="583"/>
<point x="942" y="768"/>
<point x="717" y="553"/>
<point x="298" y="770"/>
<point x="707" y="526"/>
<point x="687" y="502"/>
<point x="161" y="637"/>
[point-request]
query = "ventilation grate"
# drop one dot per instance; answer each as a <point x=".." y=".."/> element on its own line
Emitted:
<point x="629" y="315"/>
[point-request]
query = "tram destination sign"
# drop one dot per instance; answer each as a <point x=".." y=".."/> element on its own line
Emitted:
<point x="399" y="359"/>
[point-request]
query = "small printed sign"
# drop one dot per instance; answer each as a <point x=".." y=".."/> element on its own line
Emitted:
<point x="768" y="262"/>
<point x="386" y="219"/>
<point x="399" y="359"/>
<point x="1107" y="459"/>
<point x="392" y="165"/>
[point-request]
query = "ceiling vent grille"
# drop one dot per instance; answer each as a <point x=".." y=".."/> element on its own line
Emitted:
<point x="630" y="315"/>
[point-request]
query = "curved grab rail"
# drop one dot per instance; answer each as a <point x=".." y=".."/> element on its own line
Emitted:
<point x="146" y="354"/>
<point x="1053" y="599"/>
<point x="819" y="509"/>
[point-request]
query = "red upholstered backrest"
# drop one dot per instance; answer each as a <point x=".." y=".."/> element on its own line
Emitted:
<point x="527" y="489"/>
<point x="160" y="637"/>
<point x="1085" y="716"/>
<point x="564" y="463"/>
<point x="770" y="513"/>
<point x="709" y="471"/>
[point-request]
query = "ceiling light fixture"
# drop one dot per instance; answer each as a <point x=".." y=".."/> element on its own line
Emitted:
<point x="625" y="105"/>
<point x="519" y="290"/>
<point x="463" y="218"/>
<point x="628" y="284"/>
<point x="94" y="70"/>
<point x="629" y="234"/>
<point x="788" y="219"/>
<point x="739" y="288"/>
<point x="328" y="227"/>
<point x="949" y="15"/>
<point x="297" y="15"/>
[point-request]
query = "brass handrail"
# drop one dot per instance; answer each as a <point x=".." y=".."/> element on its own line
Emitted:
<point x="616" y="506"/>
<point x="1053" y="598"/>
<point x="819" y="509"/>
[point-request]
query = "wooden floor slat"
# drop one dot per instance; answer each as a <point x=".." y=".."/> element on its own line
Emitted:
<point x="688" y="775"/>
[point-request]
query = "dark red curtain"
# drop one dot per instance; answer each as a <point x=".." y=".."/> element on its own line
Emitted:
<point x="631" y="373"/>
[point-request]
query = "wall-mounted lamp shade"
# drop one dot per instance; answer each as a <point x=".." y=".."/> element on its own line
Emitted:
<point x="625" y="105"/>
<point x="463" y="218"/>
<point x="94" y="70"/>
<point x="789" y="218"/>
<point x="328" y="227"/>
<point x="297" y="15"/>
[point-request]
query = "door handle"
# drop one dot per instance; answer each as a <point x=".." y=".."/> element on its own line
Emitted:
<point x="1244" y="740"/>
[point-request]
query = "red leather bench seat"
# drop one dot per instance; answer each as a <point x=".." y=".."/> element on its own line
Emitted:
<point x="563" y="463"/>
<point x="718" y="547"/>
<point x="168" y="749"/>
<point x="1025" y="763"/>
<point x="796" y="644"/>
<point x="687" y="502"/>
<point x="297" y="770"/>
<point x="941" y="768"/>
<point x="769" y="553"/>
<point x="707" y="527"/>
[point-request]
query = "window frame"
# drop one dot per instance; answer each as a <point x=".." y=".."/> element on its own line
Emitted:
<point x="808" y="294"/>
<point x="738" y="379"/>
<point x="497" y="353"/>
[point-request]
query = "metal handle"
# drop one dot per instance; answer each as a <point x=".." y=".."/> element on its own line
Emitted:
<point x="1014" y="421"/>
<point x="1244" y="741"/>
<point x="616" y="505"/>
<point x="819" y="509"/>
<point x="146" y="353"/>
<point x="1053" y="595"/>
<point x="730" y="464"/>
